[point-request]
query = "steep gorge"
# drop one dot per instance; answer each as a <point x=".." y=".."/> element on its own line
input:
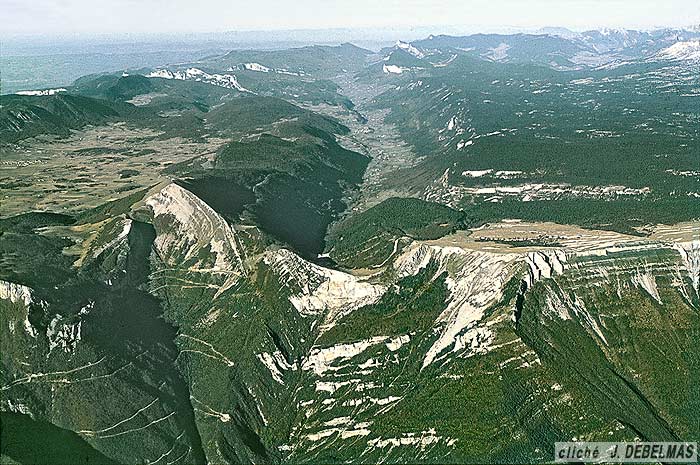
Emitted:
<point x="264" y="356"/>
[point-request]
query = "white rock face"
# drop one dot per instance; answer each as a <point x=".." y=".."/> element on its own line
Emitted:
<point x="690" y="254"/>
<point x="125" y="225"/>
<point x="17" y="407"/>
<point x="646" y="280"/>
<point x="452" y="123"/>
<point x="18" y="293"/>
<point x="475" y="281"/>
<point x="63" y="335"/>
<point x="544" y="264"/>
<point x="464" y="143"/>
<point x="476" y="173"/>
<point x="161" y="73"/>
<point x="416" y="440"/>
<point x="186" y="225"/>
<point x="15" y="292"/>
<point x="398" y="342"/>
<point x="320" y="360"/>
<point x="332" y="386"/>
<point x="318" y="290"/>
<point x="562" y="306"/>
<point x="276" y="364"/>
<point x="269" y="362"/>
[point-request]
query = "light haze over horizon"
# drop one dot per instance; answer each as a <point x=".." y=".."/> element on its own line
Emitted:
<point x="56" y="17"/>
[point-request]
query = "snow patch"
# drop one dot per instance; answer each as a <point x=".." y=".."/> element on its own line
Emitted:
<point x="685" y="51"/>
<point x="393" y="69"/>
<point x="410" y="49"/>
<point x="498" y="53"/>
<point x="256" y="67"/>
<point x="228" y="81"/>
<point x="41" y="92"/>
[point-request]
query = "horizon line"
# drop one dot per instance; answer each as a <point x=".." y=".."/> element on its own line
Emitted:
<point x="467" y="29"/>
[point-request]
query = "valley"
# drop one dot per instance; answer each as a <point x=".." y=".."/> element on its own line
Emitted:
<point x="454" y="250"/>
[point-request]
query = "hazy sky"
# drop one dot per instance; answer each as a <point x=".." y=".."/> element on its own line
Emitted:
<point x="138" y="16"/>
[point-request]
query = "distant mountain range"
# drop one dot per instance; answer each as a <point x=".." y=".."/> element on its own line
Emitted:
<point x="563" y="49"/>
